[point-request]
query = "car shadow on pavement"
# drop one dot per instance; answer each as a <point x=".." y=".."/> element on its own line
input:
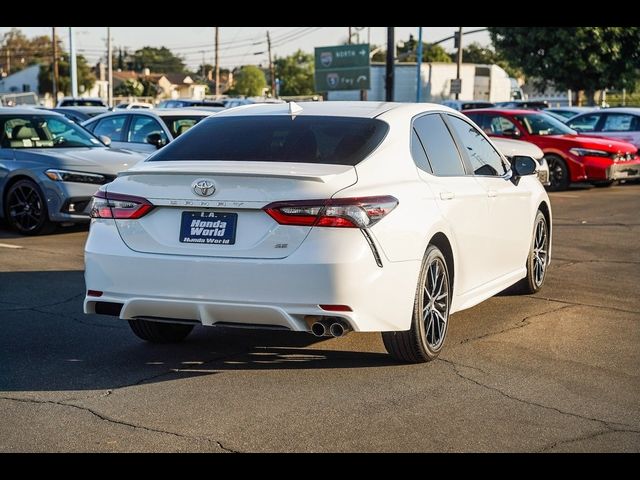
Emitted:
<point x="48" y="344"/>
<point x="7" y="233"/>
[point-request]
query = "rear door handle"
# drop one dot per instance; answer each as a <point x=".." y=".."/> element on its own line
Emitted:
<point x="492" y="193"/>
<point x="447" y="195"/>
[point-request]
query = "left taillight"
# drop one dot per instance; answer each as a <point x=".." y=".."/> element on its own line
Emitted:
<point x="361" y="212"/>
<point x="119" y="206"/>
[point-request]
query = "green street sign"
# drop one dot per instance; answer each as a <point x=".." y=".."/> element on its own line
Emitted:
<point x="342" y="67"/>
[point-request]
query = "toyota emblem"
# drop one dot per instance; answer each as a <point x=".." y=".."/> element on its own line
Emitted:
<point x="203" y="187"/>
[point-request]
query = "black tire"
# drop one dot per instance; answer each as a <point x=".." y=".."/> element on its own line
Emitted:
<point x="537" y="260"/>
<point x="424" y="341"/>
<point x="558" y="173"/>
<point x="25" y="209"/>
<point x="604" y="184"/>
<point x="160" y="332"/>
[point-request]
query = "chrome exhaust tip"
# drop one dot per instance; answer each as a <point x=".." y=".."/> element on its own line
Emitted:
<point x="319" y="329"/>
<point x="337" y="329"/>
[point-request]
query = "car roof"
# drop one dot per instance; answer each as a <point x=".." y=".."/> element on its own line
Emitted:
<point x="26" y="111"/>
<point x="631" y="110"/>
<point x="161" y="112"/>
<point x="508" y="111"/>
<point x="334" y="109"/>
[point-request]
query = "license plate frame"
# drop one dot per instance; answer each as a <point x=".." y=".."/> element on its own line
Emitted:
<point x="211" y="228"/>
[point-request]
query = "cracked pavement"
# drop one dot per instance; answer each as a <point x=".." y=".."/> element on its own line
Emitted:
<point x="558" y="371"/>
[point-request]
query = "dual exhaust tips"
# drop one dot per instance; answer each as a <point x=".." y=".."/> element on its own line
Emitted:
<point x="329" y="327"/>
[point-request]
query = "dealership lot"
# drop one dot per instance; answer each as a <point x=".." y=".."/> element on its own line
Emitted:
<point x="558" y="371"/>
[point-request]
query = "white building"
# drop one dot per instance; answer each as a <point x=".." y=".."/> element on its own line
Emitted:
<point x="25" y="80"/>
<point x="479" y="82"/>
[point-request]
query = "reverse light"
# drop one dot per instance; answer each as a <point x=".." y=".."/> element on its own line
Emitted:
<point x="58" y="175"/>
<point x="359" y="212"/>
<point x="119" y="206"/>
<point x="589" y="152"/>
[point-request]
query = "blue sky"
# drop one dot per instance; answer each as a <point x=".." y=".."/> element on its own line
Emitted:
<point x="238" y="45"/>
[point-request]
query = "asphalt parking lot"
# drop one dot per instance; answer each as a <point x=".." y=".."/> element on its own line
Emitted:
<point x="558" y="371"/>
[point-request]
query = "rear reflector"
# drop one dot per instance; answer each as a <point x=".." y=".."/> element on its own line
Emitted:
<point x="336" y="308"/>
<point x="119" y="206"/>
<point x="359" y="212"/>
<point x="94" y="293"/>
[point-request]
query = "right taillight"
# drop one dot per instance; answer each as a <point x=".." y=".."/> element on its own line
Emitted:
<point x="119" y="206"/>
<point x="359" y="212"/>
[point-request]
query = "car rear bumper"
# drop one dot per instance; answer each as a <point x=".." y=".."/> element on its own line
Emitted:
<point x="331" y="267"/>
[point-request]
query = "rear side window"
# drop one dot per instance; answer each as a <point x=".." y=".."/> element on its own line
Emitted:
<point x="278" y="138"/>
<point x="179" y="125"/>
<point x="439" y="146"/>
<point x="618" y="122"/>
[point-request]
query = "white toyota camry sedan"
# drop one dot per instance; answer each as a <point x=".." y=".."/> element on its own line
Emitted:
<point x="321" y="217"/>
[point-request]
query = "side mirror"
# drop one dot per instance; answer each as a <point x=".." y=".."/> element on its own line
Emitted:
<point x="155" y="139"/>
<point x="511" y="132"/>
<point x="522" y="165"/>
<point x="104" y="139"/>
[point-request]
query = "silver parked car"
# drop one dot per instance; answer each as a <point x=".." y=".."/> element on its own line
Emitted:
<point x="144" y="131"/>
<point x="50" y="168"/>
<point x="510" y="148"/>
<point x="619" y="123"/>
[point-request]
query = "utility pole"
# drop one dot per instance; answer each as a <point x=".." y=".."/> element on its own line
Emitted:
<point x="271" y="68"/>
<point x="203" y="69"/>
<point x="54" y="43"/>
<point x="109" y="69"/>
<point x="217" y="63"/>
<point x="350" y="34"/>
<point x="459" y="66"/>
<point x="73" y="65"/>
<point x="419" y="62"/>
<point x="391" y="48"/>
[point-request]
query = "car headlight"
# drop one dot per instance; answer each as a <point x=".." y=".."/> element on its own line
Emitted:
<point x="77" y="177"/>
<point x="589" y="152"/>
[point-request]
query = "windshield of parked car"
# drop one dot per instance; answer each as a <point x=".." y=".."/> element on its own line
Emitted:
<point x="177" y="125"/>
<point x="278" y="138"/>
<point x="43" y="131"/>
<point x="543" y="124"/>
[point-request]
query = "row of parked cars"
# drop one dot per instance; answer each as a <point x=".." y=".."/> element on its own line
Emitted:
<point x="580" y="144"/>
<point x="53" y="160"/>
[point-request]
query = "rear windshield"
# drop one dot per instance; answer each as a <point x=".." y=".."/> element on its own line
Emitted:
<point x="271" y="138"/>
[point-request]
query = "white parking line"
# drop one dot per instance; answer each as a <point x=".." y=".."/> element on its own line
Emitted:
<point x="7" y="245"/>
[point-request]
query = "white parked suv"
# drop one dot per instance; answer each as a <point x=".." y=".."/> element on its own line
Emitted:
<point x="321" y="218"/>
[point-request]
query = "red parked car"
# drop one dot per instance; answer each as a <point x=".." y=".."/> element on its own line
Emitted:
<point x="572" y="157"/>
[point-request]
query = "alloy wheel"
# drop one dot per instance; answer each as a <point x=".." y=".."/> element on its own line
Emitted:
<point x="25" y="208"/>
<point x="435" y="304"/>
<point x="540" y="252"/>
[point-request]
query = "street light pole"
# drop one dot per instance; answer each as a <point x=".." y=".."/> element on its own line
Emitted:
<point x="54" y="44"/>
<point x="459" y="66"/>
<point x="217" y="62"/>
<point x="73" y="64"/>
<point x="419" y="62"/>
<point x="109" y="69"/>
<point x="391" y="47"/>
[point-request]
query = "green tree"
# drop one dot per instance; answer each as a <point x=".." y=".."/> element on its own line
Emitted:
<point x="250" y="81"/>
<point x="295" y="73"/>
<point x="577" y="58"/>
<point x="476" y="53"/>
<point x="129" y="88"/>
<point x="86" y="77"/>
<point x="161" y="60"/>
<point x="409" y="50"/>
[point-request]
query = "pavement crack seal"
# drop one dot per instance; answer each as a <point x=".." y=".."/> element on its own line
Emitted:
<point x="122" y="422"/>
<point x="578" y="304"/>
<point x="588" y="436"/>
<point x="611" y="426"/>
<point x="521" y="324"/>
